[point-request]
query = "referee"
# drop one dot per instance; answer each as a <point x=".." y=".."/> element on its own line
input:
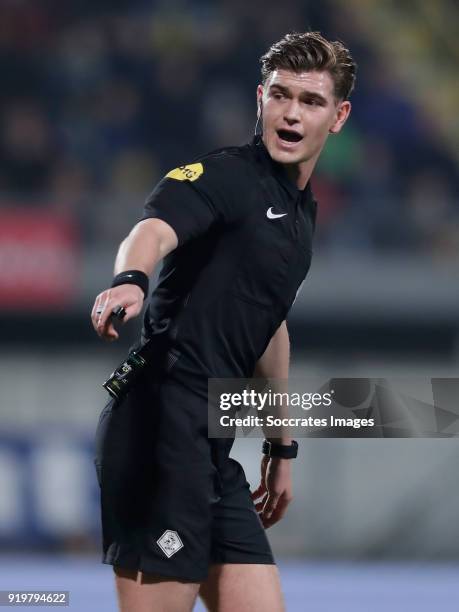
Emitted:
<point x="234" y="229"/>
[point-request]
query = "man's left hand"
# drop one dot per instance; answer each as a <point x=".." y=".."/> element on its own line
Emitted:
<point x="275" y="490"/>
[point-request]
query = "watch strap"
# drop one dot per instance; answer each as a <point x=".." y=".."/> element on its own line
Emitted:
<point x="132" y="277"/>
<point x="284" y="451"/>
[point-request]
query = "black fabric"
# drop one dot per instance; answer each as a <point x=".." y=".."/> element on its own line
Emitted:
<point x="159" y="471"/>
<point x="226" y="289"/>
<point x="132" y="277"/>
<point x="192" y="208"/>
<point x="244" y="234"/>
<point x="289" y="451"/>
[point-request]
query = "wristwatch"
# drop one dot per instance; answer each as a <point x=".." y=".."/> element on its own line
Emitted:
<point x="280" y="450"/>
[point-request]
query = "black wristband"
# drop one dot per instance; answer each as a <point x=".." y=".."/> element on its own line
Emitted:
<point x="280" y="450"/>
<point x="132" y="277"/>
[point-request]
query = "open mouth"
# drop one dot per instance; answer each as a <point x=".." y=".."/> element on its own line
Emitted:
<point x="289" y="135"/>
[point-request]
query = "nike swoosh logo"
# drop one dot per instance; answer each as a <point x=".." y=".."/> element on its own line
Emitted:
<point x="272" y="215"/>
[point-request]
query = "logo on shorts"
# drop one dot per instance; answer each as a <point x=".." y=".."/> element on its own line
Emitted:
<point x="170" y="543"/>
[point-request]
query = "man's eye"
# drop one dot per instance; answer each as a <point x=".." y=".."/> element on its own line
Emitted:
<point x="278" y="96"/>
<point x="313" y="102"/>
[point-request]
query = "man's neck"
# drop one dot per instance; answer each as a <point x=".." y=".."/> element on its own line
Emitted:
<point x="300" y="174"/>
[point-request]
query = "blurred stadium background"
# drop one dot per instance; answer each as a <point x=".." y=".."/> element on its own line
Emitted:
<point x="98" y="100"/>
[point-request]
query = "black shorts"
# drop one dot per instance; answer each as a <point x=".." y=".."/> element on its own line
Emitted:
<point x="173" y="501"/>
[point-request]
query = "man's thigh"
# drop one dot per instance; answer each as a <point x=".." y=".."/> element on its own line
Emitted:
<point x="139" y="592"/>
<point x="242" y="587"/>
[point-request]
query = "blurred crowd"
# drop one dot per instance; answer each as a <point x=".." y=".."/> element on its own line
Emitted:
<point x="100" y="99"/>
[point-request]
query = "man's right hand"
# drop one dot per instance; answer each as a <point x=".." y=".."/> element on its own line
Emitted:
<point x="130" y="297"/>
<point x="147" y="243"/>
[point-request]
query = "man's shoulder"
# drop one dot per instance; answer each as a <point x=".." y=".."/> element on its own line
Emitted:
<point x="228" y="155"/>
<point x="221" y="175"/>
<point x="227" y="163"/>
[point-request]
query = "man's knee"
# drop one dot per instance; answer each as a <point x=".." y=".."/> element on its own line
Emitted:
<point x="243" y="587"/>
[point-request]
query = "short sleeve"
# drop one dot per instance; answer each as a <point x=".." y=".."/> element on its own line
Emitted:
<point x="193" y="198"/>
<point x="175" y="201"/>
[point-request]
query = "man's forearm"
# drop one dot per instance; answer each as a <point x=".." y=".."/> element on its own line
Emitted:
<point x="274" y="365"/>
<point x="148" y="242"/>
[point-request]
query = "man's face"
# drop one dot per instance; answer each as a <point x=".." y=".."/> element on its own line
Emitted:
<point x="299" y="110"/>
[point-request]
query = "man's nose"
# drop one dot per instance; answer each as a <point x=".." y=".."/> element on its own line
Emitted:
<point x="292" y="112"/>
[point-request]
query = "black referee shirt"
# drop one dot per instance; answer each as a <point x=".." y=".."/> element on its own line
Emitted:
<point x="244" y="247"/>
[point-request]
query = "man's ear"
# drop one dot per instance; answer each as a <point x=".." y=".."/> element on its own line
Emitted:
<point x="259" y="100"/>
<point x="342" y="113"/>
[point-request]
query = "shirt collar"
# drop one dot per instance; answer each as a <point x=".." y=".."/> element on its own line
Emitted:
<point x="279" y="171"/>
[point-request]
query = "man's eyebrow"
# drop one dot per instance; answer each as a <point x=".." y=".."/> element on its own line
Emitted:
<point x="281" y="88"/>
<point x="313" y="95"/>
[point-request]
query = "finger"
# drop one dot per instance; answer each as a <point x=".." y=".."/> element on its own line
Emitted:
<point x="109" y="331"/>
<point x="259" y="505"/>
<point x="105" y="327"/>
<point x="99" y="307"/>
<point x="99" y="324"/>
<point x="271" y="503"/>
<point x="278" y="512"/>
<point x="259" y="491"/>
<point x="104" y="316"/>
<point x="132" y="311"/>
<point x="96" y="310"/>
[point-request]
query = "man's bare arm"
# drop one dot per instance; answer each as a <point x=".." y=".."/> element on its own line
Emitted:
<point x="274" y="493"/>
<point x="147" y="243"/>
<point x="274" y="364"/>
